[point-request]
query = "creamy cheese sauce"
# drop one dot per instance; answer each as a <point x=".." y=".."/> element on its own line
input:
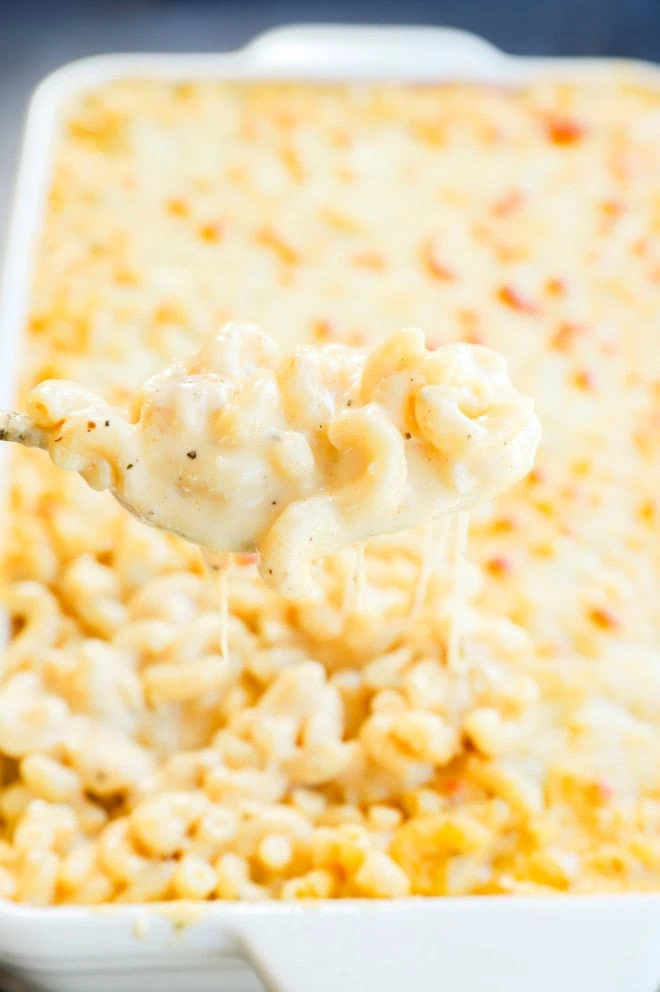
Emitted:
<point x="297" y="457"/>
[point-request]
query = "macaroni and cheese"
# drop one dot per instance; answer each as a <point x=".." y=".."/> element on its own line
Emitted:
<point x="298" y="457"/>
<point x="337" y="751"/>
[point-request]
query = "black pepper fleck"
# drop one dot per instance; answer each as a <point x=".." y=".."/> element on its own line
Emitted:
<point x="408" y="435"/>
<point x="130" y="465"/>
<point x="107" y="423"/>
<point x="191" y="454"/>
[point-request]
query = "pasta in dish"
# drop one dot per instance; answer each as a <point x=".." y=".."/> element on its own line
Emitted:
<point x="339" y="751"/>
<point x="299" y="457"/>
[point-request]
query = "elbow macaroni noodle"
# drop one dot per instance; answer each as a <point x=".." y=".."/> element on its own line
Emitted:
<point x="336" y="752"/>
<point x="296" y="458"/>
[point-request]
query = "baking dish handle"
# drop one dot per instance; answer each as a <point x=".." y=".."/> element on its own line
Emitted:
<point x="458" y="945"/>
<point x="363" y="51"/>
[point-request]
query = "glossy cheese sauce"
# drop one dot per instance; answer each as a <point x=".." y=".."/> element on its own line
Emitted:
<point x="299" y="456"/>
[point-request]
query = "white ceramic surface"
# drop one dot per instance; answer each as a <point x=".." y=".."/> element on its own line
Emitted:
<point x="560" y="944"/>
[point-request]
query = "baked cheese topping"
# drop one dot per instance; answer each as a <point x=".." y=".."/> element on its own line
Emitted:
<point x="340" y="751"/>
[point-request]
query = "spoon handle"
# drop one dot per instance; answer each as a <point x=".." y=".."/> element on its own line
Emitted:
<point x="20" y="429"/>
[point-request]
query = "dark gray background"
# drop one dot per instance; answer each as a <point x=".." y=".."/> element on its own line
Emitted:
<point x="38" y="35"/>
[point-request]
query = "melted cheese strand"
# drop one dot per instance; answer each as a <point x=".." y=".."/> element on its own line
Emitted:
<point x="456" y="602"/>
<point x="435" y="545"/>
<point x="353" y="599"/>
<point x="217" y="567"/>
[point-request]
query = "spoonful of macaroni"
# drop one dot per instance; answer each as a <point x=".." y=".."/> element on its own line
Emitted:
<point x="296" y="456"/>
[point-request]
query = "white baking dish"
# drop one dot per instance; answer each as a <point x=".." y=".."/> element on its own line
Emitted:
<point x="572" y="944"/>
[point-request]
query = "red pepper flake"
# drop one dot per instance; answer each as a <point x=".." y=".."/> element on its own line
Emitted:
<point x="267" y="237"/>
<point x="212" y="233"/>
<point x="470" y="324"/>
<point x="511" y="297"/>
<point x="563" y="339"/>
<point x="564" y="130"/>
<point x="249" y="558"/>
<point x="508" y="203"/>
<point x="433" y="266"/>
<point x="499" y="565"/>
<point x="91" y="425"/>
<point x="556" y="287"/>
<point x="604" y="791"/>
<point x="583" y="379"/>
<point x="603" y="618"/>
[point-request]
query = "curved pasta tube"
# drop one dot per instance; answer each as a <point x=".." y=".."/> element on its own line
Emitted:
<point x="42" y="620"/>
<point x="394" y="354"/>
<point x="235" y="350"/>
<point x="493" y="449"/>
<point x="305" y="531"/>
<point x="380" y="486"/>
<point x="320" y="525"/>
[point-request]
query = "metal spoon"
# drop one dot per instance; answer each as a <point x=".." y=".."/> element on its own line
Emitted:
<point x="21" y="429"/>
